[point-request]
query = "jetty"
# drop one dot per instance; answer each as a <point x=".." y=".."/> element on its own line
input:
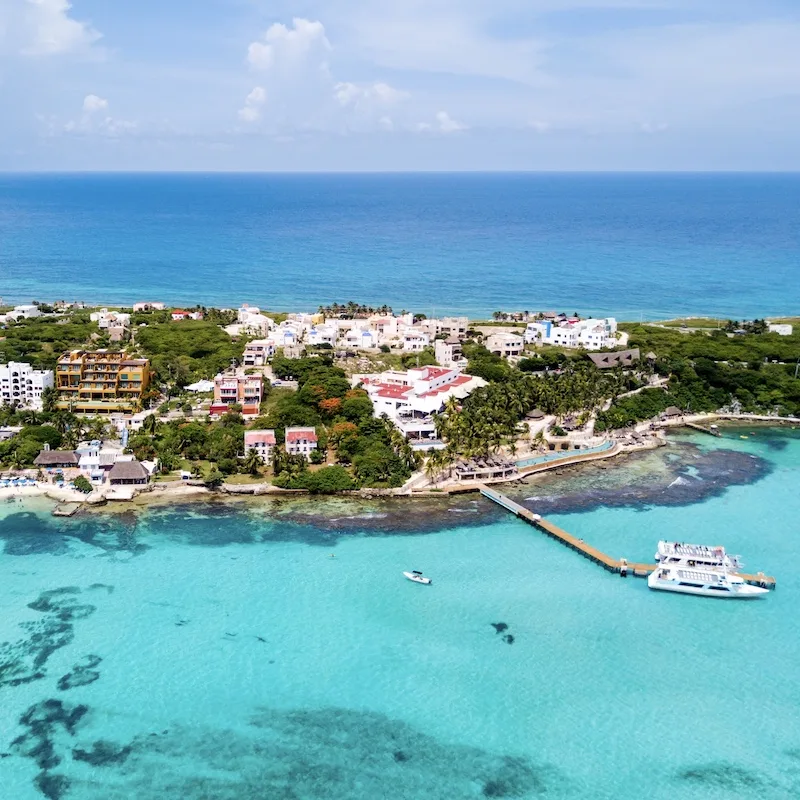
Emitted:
<point x="619" y="566"/>
<point x="713" y="430"/>
<point x="67" y="509"/>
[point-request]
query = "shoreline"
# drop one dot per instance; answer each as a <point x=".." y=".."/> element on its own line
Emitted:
<point x="475" y="318"/>
<point x="164" y="494"/>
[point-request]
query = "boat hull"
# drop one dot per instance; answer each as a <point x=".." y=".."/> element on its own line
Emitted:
<point x="417" y="578"/>
<point x="741" y="592"/>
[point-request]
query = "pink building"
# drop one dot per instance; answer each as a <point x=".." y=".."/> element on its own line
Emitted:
<point x="246" y="390"/>
<point x="263" y="442"/>
<point x="301" y="441"/>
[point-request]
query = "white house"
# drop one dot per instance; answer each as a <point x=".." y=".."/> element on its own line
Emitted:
<point x="410" y="398"/>
<point x="148" y="307"/>
<point x="781" y="330"/>
<point x="107" y="319"/>
<point x="263" y="442"/>
<point x="21" y="384"/>
<point x="448" y="353"/>
<point x="301" y="441"/>
<point x="21" y="312"/>
<point x="322" y="334"/>
<point x="449" y="326"/>
<point x="590" y="334"/>
<point x="251" y="320"/>
<point x="258" y="352"/>
<point x="415" y="340"/>
<point x="359" y="338"/>
<point x="505" y="344"/>
<point x="179" y="314"/>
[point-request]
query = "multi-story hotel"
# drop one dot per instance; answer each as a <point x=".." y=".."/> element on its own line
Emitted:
<point x="23" y="385"/>
<point x="101" y="382"/>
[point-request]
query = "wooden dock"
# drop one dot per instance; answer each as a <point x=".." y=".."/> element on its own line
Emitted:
<point x="619" y="566"/>
<point x="710" y="431"/>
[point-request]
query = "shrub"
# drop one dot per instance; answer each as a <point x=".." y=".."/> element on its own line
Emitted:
<point x="82" y="484"/>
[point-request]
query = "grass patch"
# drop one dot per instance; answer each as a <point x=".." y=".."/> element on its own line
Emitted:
<point x="694" y="322"/>
<point x="244" y="480"/>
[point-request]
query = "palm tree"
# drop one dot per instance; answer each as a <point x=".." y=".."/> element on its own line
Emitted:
<point x="253" y="462"/>
<point x="150" y="424"/>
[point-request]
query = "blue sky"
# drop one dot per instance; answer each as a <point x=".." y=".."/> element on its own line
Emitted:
<point x="409" y="85"/>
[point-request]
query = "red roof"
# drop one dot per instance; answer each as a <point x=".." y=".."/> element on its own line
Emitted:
<point x="391" y="391"/>
<point x="435" y="372"/>
<point x="459" y="381"/>
<point x="259" y="437"/>
<point x="299" y="434"/>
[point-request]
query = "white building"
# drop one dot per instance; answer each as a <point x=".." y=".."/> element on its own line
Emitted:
<point x="415" y="340"/>
<point x="263" y="442"/>
<point x="505" y="344"/>
<point x="148" y="307"/>
<point x="251" y="320"/>
<point x="781" y="330"/>
<point x="322" y="334"/>
<point x="589" y="334"/>
<point x="301" y="441"/>
<point x="21" y="312"/>
<point x="21" y="384"/>
<point x="359" y="338"/>
<point x="449" y="326"/>
<point x="448" y="353"/>
<point x="258" y="352"/>
<point x="410" y="398"/>
<point x="110" y="319"/>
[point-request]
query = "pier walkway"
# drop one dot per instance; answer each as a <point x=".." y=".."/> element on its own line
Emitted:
<point x="620" y="566"/>
<point x="713" y="431"/>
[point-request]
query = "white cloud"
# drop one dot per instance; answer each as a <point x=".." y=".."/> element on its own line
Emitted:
<point x="293" y="63"/>
<point x="251" y="111"/>
<point x="92" y="103"/>
<point x="653" y="127"/>
<point x="45" y="27"/>
<point x="447" y="124"/>
<point x="284" y="48"/>
<point x="92" y="123"/>
<point x="353" y="95"/>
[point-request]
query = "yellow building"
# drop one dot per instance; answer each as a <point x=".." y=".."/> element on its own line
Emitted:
<point x="101" y="382"/>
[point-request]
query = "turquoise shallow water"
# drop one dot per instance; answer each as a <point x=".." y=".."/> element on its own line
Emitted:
<point x="261" y="669"/>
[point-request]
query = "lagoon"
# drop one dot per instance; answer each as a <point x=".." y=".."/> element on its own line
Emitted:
<point x="239" y="660"/>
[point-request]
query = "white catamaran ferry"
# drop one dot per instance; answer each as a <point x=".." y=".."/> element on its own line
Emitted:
<point x="696" y="555"/>
<point x="704" y="582"/>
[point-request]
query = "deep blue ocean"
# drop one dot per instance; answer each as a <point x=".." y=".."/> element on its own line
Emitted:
<point x="632" y="245"/>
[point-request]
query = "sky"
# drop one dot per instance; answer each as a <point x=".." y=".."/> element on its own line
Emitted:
<point x="407" y="85"/>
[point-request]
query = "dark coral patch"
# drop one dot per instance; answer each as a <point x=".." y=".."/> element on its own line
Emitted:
<point x="102" y="754"/>
<point x="53" y="787"/>
<point x="721" y="775"/>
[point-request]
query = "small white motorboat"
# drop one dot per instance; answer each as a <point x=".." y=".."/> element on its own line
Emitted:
<point x="416" y="576"/>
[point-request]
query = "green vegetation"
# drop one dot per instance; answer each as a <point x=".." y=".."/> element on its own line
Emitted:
<point x="59" y="430"/>
<point x="375" y="452"/>
<point x="490" y="416"/>
<point x="42" y="340"/>
<point x="754" y="373"/>
<point x="82" y="484"/>
<point x="181" y="352"/>
<point x="693" y="322"/>
<point x="351" y="310"/>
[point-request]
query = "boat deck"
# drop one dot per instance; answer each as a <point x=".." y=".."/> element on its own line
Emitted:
<point x="619" y="566"/>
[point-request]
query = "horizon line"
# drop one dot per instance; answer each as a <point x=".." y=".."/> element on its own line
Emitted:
<point x="565" y="172"/>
